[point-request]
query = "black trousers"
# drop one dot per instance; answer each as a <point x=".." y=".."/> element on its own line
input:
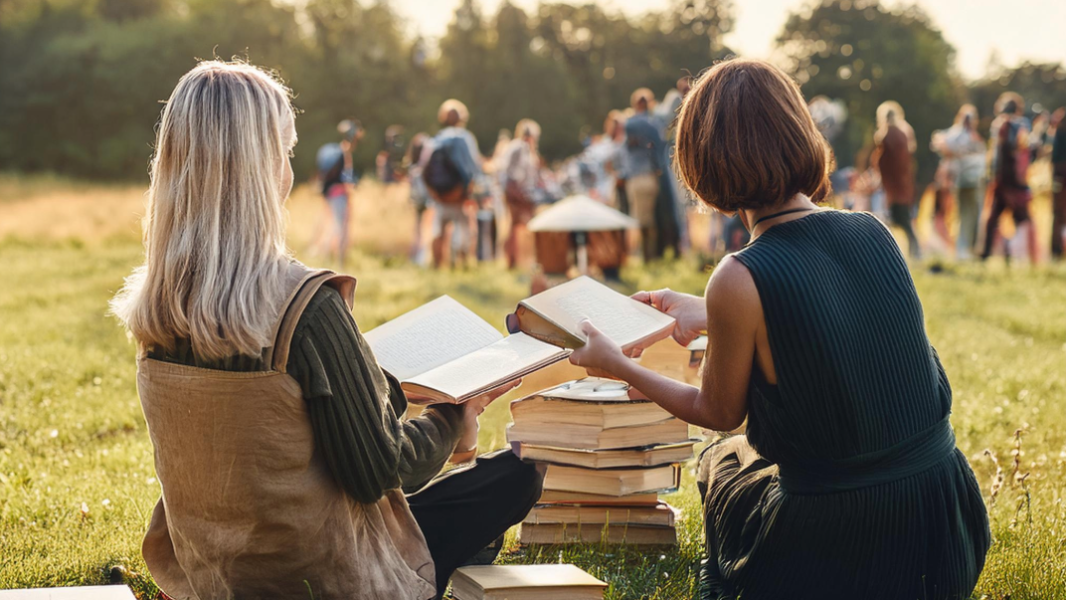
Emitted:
<point x="901" y="217"/>
<point x="466" y="509"/>
<point x="999" y="206"/>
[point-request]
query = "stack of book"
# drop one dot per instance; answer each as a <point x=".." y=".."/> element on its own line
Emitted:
<point x="608" y="458"/>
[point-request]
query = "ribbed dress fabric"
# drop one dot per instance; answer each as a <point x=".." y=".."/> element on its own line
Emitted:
<point x="856" y="378"/>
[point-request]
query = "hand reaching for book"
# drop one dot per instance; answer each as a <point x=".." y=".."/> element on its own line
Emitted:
<point x="690" y="313"/>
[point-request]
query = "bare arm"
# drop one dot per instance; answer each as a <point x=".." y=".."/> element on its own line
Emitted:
<point x="734" y="318"/>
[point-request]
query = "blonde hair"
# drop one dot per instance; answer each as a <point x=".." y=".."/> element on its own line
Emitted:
<point x="214" y="232"/>
<point x="889" y="113"/>
<point x="527" y="127"/>
<point x="967" y="110"/>
<point x="641" y="95"/>
<point x="453" y="113"/>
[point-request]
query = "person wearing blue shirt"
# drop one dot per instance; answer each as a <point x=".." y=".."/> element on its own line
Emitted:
<point x="643" y="158"/>
<point x="337" y="177"/>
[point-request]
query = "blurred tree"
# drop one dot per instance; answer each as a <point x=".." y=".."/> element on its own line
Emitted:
<point x="1043" y="85"/>
<point x="522" y="83"/>
<point x="121" y="10"/>
<point x="863" y="53"/>
<point x="357" y="64"/>
<point x="464" y="69"/>
<point x="81" y="81"/>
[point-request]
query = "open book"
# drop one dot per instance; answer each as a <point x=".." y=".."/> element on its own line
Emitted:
<point x="442" y="352"/>
<point x="553" y="316"/>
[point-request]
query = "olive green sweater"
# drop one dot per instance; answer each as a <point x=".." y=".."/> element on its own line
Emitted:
<point x="355" y="414"/>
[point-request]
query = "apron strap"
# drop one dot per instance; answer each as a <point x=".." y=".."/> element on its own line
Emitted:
<point x="277" y="356"/>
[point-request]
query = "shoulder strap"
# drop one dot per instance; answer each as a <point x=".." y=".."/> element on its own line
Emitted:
<point x="277" y="356"/>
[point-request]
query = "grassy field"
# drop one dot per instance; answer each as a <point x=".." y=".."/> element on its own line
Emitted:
<point x="76" y="475"/>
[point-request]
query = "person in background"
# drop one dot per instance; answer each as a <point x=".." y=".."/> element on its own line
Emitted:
<point x="644" y="168"/>
<point x="601" y="156"/>
<point x="419" y="194"/>
<point x="390" y="158"/>
<point x="337" y="178"/>
<point x="286" y="466"/>
<point x="614" y="128"/>
<point x="503" y="141"/>
<point x="943" y="201"/>
<point x="1010" y="173"/>
<point x="1058" y="186"/>
<point x="671" y="211"/>
<point x="1040" y="136"/>
<point x="847" y="483"/>
<point x="452" y="172"/>
<point x="893" y="158"/>
<point x="964" y="151"/>
<point x="521" y="164"/>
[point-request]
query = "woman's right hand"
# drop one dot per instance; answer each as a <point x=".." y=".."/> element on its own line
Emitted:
<point x="690" y="312"/>
<point x="466" y="447"/>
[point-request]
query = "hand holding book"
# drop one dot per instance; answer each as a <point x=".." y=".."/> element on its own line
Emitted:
<point x="600" y="354"/>
<point x="689" y="312"/>
<point x="466" y="447"/>
<point x="443" y="352"/>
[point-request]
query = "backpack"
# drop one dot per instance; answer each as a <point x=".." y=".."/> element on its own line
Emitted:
<point x="443" y="178"/>
<point x="330" y="164"/>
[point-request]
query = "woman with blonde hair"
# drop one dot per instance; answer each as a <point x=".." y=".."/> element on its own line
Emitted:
<point x="278" y="442"/>
<point x="847" y="483"/>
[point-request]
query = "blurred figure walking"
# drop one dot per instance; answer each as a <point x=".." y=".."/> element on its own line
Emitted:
<point x="963" y="149"/>
<point x="451" y="167"/>
<point x="643" y="168"/>
<point x="603" y="158"/>
<point x="389" y="160"/>
<point x="1058" y="189"/>
<point x="1010" y="171"/>
<point x="418" y="192"/>
<point x="521" y="165"/>
<point x="893" y="158"/>
<point x="337" y="178"/>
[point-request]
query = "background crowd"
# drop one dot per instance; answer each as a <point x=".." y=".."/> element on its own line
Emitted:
<point x="979" y="180"/>
<point x="90" y="74"/>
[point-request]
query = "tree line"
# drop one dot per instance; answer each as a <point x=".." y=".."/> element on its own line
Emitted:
<point x="81" y="80"/>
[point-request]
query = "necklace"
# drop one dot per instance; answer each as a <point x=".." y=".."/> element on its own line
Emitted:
<point x="778" y="214"/>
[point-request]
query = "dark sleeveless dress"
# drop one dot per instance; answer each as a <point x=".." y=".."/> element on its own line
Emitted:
<point x="848" y="483"/>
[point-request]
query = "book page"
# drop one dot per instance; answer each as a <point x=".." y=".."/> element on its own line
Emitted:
<point x="593" y="389"/>
<point x="500" y="362"/>
<point x="429" y="336"/>
<point x="621" y="318"/>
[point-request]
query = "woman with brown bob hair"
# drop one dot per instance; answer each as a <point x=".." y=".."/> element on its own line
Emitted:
<point x="847" y="483"/>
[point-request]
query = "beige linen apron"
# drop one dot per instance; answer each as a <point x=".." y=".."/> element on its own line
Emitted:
<point x="249" y="508"/>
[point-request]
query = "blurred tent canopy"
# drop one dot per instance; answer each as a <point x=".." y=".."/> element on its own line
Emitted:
<point x="581" y="213"/>
<point x="81" y="81"/>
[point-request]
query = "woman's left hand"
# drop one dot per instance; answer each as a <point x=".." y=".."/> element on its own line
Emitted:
<point x="599" y="354"/>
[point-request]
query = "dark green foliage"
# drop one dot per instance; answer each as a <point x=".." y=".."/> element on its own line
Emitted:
<point x="864" y="53"/>
<point x="1043" y="85"/>
<point x="82" y="80"/>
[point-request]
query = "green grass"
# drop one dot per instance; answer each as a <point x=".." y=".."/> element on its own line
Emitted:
<point x="76" y="474"/>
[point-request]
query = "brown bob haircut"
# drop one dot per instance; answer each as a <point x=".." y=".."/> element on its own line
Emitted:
<point x="745" y="139"/>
